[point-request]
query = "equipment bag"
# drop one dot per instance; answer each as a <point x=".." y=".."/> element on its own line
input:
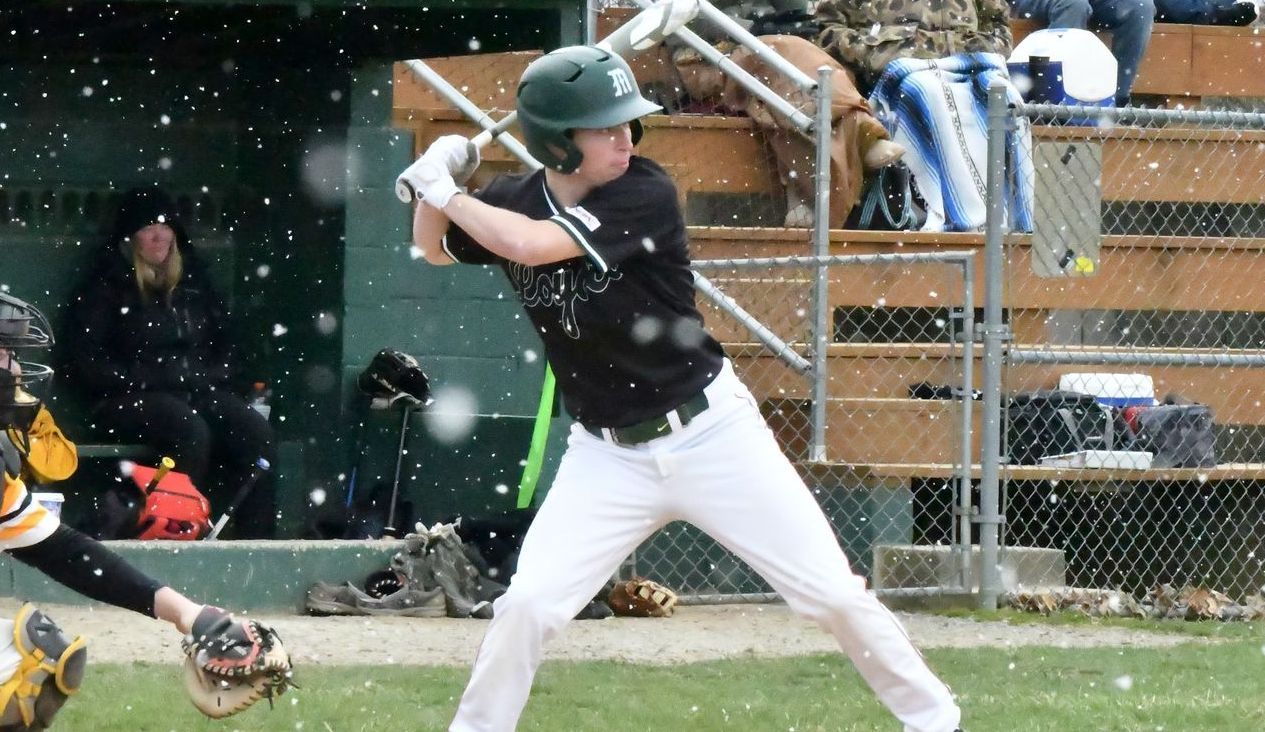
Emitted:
<point x="173" y="508"/>
<point x="1045" y="423"/>
<point x="1179" y="435"/>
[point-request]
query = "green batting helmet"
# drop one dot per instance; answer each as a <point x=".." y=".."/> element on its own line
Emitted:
<point x="577" y="87"/>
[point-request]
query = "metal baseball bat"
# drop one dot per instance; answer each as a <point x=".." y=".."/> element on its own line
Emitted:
<point x="261" y="467"/>
<point x="645" y="30"/>
<point x="389" y="531"/>
<point x="404" y="189"/>
<point x="164" y="466"/>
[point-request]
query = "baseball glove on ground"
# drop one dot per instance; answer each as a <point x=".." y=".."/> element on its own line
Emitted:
<point x="642" y="598"/>
<point x="231" y="663"/>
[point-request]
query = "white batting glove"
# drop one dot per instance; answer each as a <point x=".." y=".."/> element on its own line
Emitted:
<point x="438" y="192"/>
<point x="456" y="154"/>
<point x="415" y="178"/>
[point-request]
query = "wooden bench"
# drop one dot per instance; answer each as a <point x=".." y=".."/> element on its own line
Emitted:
<point x="886" y="371"/>
<point x="726" y="156"/>
<point x="120" y="451"/>
<point x="1183" y="63"/>
<point x="870" y="416"/>
<point x="1178" y="274"/>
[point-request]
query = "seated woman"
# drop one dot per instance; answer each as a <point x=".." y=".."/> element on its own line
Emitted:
<point x="148" y="347"/>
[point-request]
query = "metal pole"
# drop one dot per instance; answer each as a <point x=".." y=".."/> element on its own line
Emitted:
<point x="767" y="338"/>
<point x="823" y="329"/>
<point x="994" y="332"/>
<point x="591" y="10"/>
<point x="963" y="547"/>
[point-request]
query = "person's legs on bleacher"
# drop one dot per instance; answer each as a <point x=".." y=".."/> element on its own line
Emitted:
<point x="164" y="422"/>
<point x="1206" y="12"/>
<point x="240" y="436"/>
<point x="1130" y="23"/>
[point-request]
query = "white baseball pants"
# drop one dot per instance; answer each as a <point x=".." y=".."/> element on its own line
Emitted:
<point x="724" y="473"/>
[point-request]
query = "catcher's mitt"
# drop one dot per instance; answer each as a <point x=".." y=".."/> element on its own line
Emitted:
<point x="231" y="663"/>
<point x="642" y="598"/>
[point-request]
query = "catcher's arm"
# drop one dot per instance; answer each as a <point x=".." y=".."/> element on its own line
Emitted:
<point x="230" y="664"/>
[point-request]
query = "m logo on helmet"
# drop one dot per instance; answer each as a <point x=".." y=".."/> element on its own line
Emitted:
<point x="623" y="85"/>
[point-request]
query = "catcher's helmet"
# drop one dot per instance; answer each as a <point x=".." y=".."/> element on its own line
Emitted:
<point x="576" y="87"/>
<point x="22" y="327"/>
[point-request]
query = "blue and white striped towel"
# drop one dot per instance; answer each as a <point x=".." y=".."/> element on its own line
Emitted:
<point x="937" y="109"/>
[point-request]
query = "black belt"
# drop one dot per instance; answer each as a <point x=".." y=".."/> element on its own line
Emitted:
<point x="636" y="434"/>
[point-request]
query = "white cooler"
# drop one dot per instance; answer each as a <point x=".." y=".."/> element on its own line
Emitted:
<point x="1084" y="68"/>
<point x="1113" y="390"/>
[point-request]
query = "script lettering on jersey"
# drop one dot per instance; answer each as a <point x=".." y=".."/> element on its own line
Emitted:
<point x="621" y="82"/>
<point x="564" y="288"/>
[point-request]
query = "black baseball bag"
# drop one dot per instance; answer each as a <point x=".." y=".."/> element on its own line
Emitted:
<point x="1056" y="422"/>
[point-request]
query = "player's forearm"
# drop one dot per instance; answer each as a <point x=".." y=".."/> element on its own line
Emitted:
<point x="429" y="226"/>
<point x="175" y="608"/>
<point x="505" y="233"/>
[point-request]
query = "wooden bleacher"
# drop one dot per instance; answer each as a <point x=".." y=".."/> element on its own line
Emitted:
<point x="1165" y="164"/>
<point x="875" y="431"/>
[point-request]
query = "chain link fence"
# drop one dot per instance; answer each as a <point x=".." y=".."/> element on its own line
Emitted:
<point x="895" y="369"/>
<point x="1132" y="386"/>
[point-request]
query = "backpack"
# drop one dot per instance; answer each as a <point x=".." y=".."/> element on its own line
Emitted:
<point x="173" y="509"/>
<point x="1179" y="435"/>
<point x="1056" y="422"/>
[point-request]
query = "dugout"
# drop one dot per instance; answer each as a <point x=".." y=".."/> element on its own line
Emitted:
<point x="271" y="122"/>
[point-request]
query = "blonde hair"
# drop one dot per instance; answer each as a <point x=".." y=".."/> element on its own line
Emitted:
<point x="162" y="278"/>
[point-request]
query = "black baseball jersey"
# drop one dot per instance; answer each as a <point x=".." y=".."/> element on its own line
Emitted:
<point x="619" y="325"/>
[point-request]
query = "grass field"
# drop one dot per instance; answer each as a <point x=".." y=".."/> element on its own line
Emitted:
<point x="1193" y="687"/>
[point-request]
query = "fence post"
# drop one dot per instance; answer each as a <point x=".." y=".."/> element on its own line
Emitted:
<point x="994" y="332"/>
<point x="965" y="452"/>
<point x="823" y="328"/>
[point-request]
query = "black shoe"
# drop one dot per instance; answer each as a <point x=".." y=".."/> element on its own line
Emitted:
<point x="1239" y="13"/>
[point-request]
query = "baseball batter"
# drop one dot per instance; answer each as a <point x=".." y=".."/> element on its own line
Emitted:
<point x="595" y="247"/>
<point x="40" y="665"/>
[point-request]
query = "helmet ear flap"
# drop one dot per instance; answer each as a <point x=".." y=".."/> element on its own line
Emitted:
<point x="635" y="126"/>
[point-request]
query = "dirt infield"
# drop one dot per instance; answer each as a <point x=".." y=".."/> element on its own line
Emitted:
<point x="693" y="634"/>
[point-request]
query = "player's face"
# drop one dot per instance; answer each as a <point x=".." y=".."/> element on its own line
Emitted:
<point x="154" y="243"/>
<point x="606" y="153"/>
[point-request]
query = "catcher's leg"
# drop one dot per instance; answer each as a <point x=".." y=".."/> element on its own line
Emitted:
<point x="44" y="667"/>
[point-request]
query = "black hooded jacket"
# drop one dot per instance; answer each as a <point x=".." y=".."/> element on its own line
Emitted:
<point x="120" y="342"/>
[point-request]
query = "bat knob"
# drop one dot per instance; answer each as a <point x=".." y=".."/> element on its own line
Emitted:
<point x="404" y="190"/>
